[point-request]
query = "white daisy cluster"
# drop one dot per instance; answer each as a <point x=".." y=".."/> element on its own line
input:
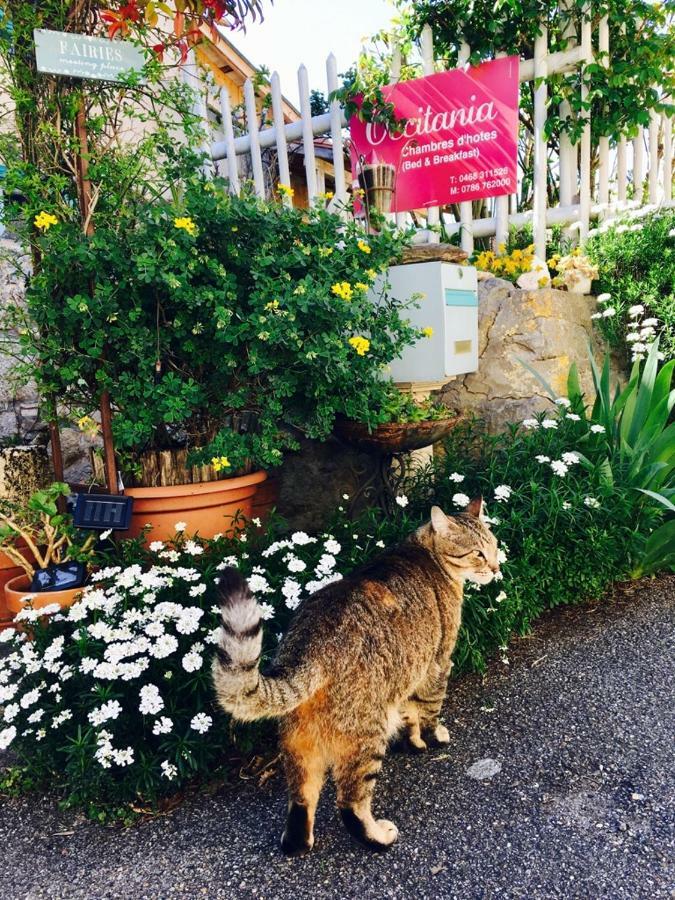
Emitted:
<point x="641" y="333"/>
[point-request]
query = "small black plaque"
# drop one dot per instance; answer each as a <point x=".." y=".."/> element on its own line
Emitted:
<point x="103" y="511"/>
<point x="59" y="577"/>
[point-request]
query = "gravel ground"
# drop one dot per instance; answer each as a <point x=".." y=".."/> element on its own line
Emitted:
<point x="574" y="738"/>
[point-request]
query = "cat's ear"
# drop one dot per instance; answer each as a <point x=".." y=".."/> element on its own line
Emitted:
<point x="475" y="508"/>
<point x="439" y="521"/>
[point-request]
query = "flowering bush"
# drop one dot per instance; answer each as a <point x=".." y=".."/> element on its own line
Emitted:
<point x="636" y="280"/>
<point x="220" y="309"/>
<point x="572" y="269"/>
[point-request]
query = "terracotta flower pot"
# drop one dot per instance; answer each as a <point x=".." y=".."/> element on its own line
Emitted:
<point x="8" y="571"/>
<point x="17" y="589"/>
<point x="207" y="509"/>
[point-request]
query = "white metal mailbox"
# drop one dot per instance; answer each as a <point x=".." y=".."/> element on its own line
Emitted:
<point x="450" y="307"/>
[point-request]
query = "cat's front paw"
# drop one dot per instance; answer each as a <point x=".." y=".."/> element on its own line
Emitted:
<point x="437" y="735"/>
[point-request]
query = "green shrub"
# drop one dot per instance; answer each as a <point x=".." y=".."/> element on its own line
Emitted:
<point x="637" y="269"/>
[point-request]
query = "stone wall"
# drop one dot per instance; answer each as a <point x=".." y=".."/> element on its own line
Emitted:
<point x="547" y="328"/>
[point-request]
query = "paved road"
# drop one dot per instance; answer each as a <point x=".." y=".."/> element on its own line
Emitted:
<point x="581" y="723"/>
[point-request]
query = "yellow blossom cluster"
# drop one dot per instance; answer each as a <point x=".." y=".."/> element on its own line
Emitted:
<point x="360" y="344"/>
<point x="286" y="191"/>
<point x="44" y="221"/>
<point x="220" y="462"/>
<point x="343" y="289"/>
<point x="511" y="265"/>
<point x="364" y="247"/>
<point x="88" y="426"/>
<point x="428" y="331"/>
<point x="185" y="223"/>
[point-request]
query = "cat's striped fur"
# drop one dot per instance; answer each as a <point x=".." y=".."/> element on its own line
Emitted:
<point x="363" y="658"/>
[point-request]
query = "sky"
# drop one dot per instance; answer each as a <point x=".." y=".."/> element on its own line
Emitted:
<point x="306" y="31"/>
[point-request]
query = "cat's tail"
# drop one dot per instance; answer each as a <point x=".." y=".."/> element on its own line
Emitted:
<point x="241" y="689"/>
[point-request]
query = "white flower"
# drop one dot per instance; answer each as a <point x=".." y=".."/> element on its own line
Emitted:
<point x="11" y="712"/>
<point x="345" y="496"/>
<point x="559" y="468"/>
<point x="566" y="504"/>
<point x="256" y="521"/>
<point x="503" y="492"/>
<point x="192" y="662"/>
<point x="500" y="596"/>
<point x="188" y="620"/>
<point x="169" y="770"/>
<point x="326" y="564"/>
<point x="151" y="700"/>
<point x="7" y="735"/>
<point x="591" y="503"/>
<point x="300" y="538"/>
<point x="632" y="336"/>
<point x="542" y="459"/>
<point x="549" y="423"/>
<point x="106" y="711"/>
<point x="193" y="548"/>
<point x="164" y="646"/>
<point x="603" y="298"/>
<point x="456" y="477"/>
<point x="563" y="401"/>
<point x="292" y="592"/>
<point x="501" y="556"/>
<point x="8" y="692"/>
<point x="650" y="323"/>
<point x="571" y="458"/>
<point x="201" y="723"/>
<point x="573" y="417"/>
<point x="7" y="635"/>
<point x="609" y="312"/>
<point x="461" y="499"/>
<point x="636" y="310"/>
<point x="104" y="535"/>
<point x="266" y="611"/>
<point x="402" y="501"/>
<point x="30" y="698"/>
<point x="598" y="429"/>
<point x="156" y="546"/>
<point x="295" y="565"/>
<point x="123" y="757"/>
<point x="597" y="315"/>
<point x="380" y="544"/>
<point x="62" y="717"/>
<point x="197" y="590"/>
<point x="180" y="526"/>
<point x="163" y="725"/>
<point x="530" y="423"/>
<point x="258" y="584"/>
<point x="35" y="717"/>
<point x="332" y="546"/>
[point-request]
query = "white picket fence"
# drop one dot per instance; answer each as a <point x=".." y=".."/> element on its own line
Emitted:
<point x="580" y="200"/>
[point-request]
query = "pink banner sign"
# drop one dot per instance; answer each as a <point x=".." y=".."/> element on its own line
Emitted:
<point x="460" y="138"/>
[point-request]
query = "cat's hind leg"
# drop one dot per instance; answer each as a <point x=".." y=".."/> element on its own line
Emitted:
<point x="305" y="767"/>
<point x="411" y="738"/>
<point x="355" y="770"/>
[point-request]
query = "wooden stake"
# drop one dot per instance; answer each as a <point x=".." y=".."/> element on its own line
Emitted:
<point x="84" y="184"/>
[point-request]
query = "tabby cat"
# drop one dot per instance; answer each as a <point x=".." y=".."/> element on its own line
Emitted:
<point x="363" y="658"/>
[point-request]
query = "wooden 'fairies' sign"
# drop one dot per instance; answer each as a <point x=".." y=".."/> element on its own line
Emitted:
<point x="84" y="56"/>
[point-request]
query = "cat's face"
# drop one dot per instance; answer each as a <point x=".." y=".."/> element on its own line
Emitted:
<point x="465" y="542"/>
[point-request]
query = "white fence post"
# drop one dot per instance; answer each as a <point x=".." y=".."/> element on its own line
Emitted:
<point x="540" y="160"/>
<point x="228" y="131"/>
<point x="336" y="132"/>
<point x="567" y="151"/>
<point x="190" y="76"/>
<point x="603" y="143"/>
<point x="654" y="123"/>
<point x="307" y="134"/>
<point x="585" y="151"/>
<point x="465" y="208"/>
<point x="427" y="46"/>
<point x="621" y="170"/>
<point x="638" y="166"/>
<point x="501" y="211"/>
<point x="252" y="126"/>
<point x="282" y="147"/>
<point x="667" y="159"/>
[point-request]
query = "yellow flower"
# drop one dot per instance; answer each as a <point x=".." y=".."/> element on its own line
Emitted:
<point x="88" y="426"/>
<point x="360" y="344"/>
<point x="329" y="195"/>
<point x="343" y="289"/>
<point x="286" y="191"/>
<point x="325" y="251"/>
<point x="220" y="462"/>
<point x="272" y="305"/>
<point x="44" y="221"/>
<point x="501" y="248"/>
<point x="360" y="286"/>
<point x="186" y="224"/>
<point x="543" y="281"/>
<point x="428" y="331"/>
<point x="364" y="247"/>
<point x="372" y="274"/>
